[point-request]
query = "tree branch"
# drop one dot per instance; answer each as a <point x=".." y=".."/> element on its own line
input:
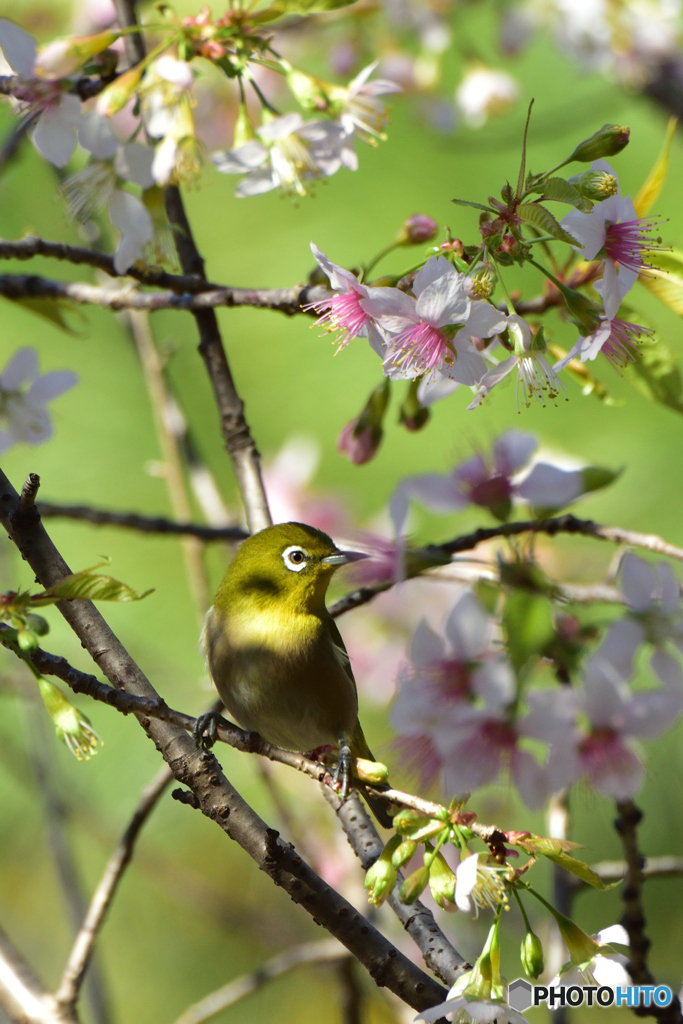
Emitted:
<point x="82" y="950"/>
<point x="615" y="870"/>
<point x="307" y="953"/>
<point x="22" y="996"/>
<point x="134" y="521"/>
<point x="202" y="774"/>
<point x="634" y="918"/>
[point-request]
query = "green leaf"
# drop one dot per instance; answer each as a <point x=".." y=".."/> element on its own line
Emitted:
<point x="50" y="309"/>
<point x="656" y="374"/>
<point x="544" y="220"/>
<point x="283" y="7"/>
<point x="88" y="586"/>
<point x="578" y="868"/>
<point x="597" y="477"/>
<point x="475" y="206"/>
<point x="528" y="625"/>
<point x="649" y="193"/>
<point x="562" y="192"/>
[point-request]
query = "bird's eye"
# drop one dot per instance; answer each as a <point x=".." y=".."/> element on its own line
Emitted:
<point x="294" y="558"/>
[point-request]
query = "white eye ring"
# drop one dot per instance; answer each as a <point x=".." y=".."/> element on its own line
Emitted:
<point x="288" y="557"/>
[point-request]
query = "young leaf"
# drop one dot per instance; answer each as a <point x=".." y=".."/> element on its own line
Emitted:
<point x="88" y="586"/>
<point x="50" y="309"/>
<point x="476" y="206"/>
<point x="654" y="182"/>
<point x="522" y="166"/>
<point x="528" y="624"/>
<point x="543" y="219"/>
<point x="656" y="374"/>
<point x="578" y="868"/>
<point x="562" y="192"/>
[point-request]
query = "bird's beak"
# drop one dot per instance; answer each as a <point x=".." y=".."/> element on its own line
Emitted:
<point x="343" y="558"/>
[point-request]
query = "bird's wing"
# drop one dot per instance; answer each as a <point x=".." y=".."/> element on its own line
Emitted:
<point x="339" y="648"/>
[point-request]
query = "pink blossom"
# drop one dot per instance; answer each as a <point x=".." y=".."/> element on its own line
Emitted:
<point x="534" y="375"/>
<point x="612" y="231"/>
<point x="344" y="312"/>
<point x="614" y="338"/>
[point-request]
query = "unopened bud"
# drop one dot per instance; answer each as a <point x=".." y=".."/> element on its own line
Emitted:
<point x="406" y="849"/>
<point x="414" y="885"/>
<point x="64" y="56"/>
<point x="407" y="820"/>
<point x="417" y="229"/>
<point x="27" y="640"/>
<point x="381" y="877"/>
<point x="119" y="92"/>
<point x="37" y="624"/>
<point x="608" y="141"/>
<point x="442" y="883"/>
<point x="595" y="185"/>
<point x="582" y="309"/>
<point x="412" y="414"/>
<point x="372" y="772"/>
<point x="481" y="283"/>
<point x="360" y="439"/>
<point x="531" y="955"/>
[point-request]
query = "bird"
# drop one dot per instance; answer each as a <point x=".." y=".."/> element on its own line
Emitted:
<point x="275" y="653"/>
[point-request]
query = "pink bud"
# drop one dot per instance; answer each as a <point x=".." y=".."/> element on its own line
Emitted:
<point x="359" y="447"/>
<point x="417" y="229"/>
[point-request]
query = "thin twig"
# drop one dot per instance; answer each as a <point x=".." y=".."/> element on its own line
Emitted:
<point x="633" y="919"/>
<point x="307" y="953"/>
<point x="82" y="950"/>
<point x="135" y="521"/>
<point x="558" y="823"/>
<point x="169" y="424"/>
<point x="22" y="996"/>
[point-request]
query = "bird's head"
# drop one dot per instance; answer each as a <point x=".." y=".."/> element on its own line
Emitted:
<point x="289" y="563"/>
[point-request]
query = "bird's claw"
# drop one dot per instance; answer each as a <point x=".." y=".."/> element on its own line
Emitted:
<point x="342" y="773"/>
<point x="205" y="730"/>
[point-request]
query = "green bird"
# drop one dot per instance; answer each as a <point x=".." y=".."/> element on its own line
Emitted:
<point x="274" y="651"/>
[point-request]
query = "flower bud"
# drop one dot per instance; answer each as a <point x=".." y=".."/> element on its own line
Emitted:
<point x="531" y="955"/>
<point x="412" y="414"/>
<point x="360" y="439"/>
<point x="27" y="640"/>
<point x="64" y="56"/>
<point x="406" y="849"/>
<point x="417" y="229"/>
<point x="414" y="885"/>
<point x="608" y="141"/>
<point x="442" y="883"/>
<point x="481" y="283"/>
<point x="71" y="725"/>
<point x="380" y="878"/>
<point x="37" y="624"/>
<point x="372" y="772"/>
<point x="407" y="820"/>
<point x="595" y="185"/>
<point x="119" y="92"/>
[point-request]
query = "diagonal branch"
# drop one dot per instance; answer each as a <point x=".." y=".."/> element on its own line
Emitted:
<point x="22" y="996"/>
<point x="326" y="951"/>
<point x="201" y="773"/>
<point x="82" y="950"/>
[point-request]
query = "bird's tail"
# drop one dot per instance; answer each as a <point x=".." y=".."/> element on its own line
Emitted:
<point x="360" y="748"/>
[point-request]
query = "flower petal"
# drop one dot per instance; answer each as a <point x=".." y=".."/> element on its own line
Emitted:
<point x="18" y="47"/>
<point x="22" y="367"/>
<point x="55" y="133"/>
<point x="51" y="385"/>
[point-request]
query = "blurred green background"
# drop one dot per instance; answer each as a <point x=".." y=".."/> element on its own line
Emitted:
<point x="193" y="911"/>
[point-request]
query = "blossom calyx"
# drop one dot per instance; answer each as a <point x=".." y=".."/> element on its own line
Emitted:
<point x="414" y="885"/>
<point x="310" y="92"/>
<point x="372" y="772"/>
<point x="119" y="92"/>
<point x="412" y="414"/>
<point x="595" y="185"/>
<point x="442" y="882"/>
<point x="64" y="56"/>
<point x="403" y="852"/>
<point x="72" y="727"/>
<point x="607" y="141"/>
<point x="416" y="230"/>
<point x="531" y="955"/>
<point x="360" y="439"/>
<point x="583" y="311"/>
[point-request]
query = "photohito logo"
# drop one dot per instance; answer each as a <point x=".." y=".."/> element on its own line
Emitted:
<point x="522" y="995"/>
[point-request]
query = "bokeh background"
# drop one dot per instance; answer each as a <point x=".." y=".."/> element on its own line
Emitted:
<point x="193" y="911"/>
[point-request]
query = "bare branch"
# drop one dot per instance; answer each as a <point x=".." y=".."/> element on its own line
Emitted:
<point x="134" y="521"/>
<point x="307" y="953"/>
<point x="283" y="300"/>
<point x="79" y="958"/>
<point x="201" y="773"/>
<point x="634" y="918"/>
<point x="615" y="870"/>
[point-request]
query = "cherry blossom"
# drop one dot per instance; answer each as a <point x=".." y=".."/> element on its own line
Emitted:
<point x="359" y="111"/>
<point x="167" y="117"/>
<point x="612" y="231"/>
<point x="432" y="331"/>
<point x="606" y="968"/>
<point x="287" y="154"/>
<point x="24" y="395"/>
<point x="462" y="1006"/>
<point x="615" y="338"/>
<point x="534" y="374"/>
<point x="344" y="312"/>
<point x="55" y="134"/>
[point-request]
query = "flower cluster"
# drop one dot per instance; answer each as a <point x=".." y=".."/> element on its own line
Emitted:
<point x="24" y="395"/>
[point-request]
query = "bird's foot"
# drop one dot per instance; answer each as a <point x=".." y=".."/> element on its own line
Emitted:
<point x="205" y="730"/>
<point x="342" y="773"/>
